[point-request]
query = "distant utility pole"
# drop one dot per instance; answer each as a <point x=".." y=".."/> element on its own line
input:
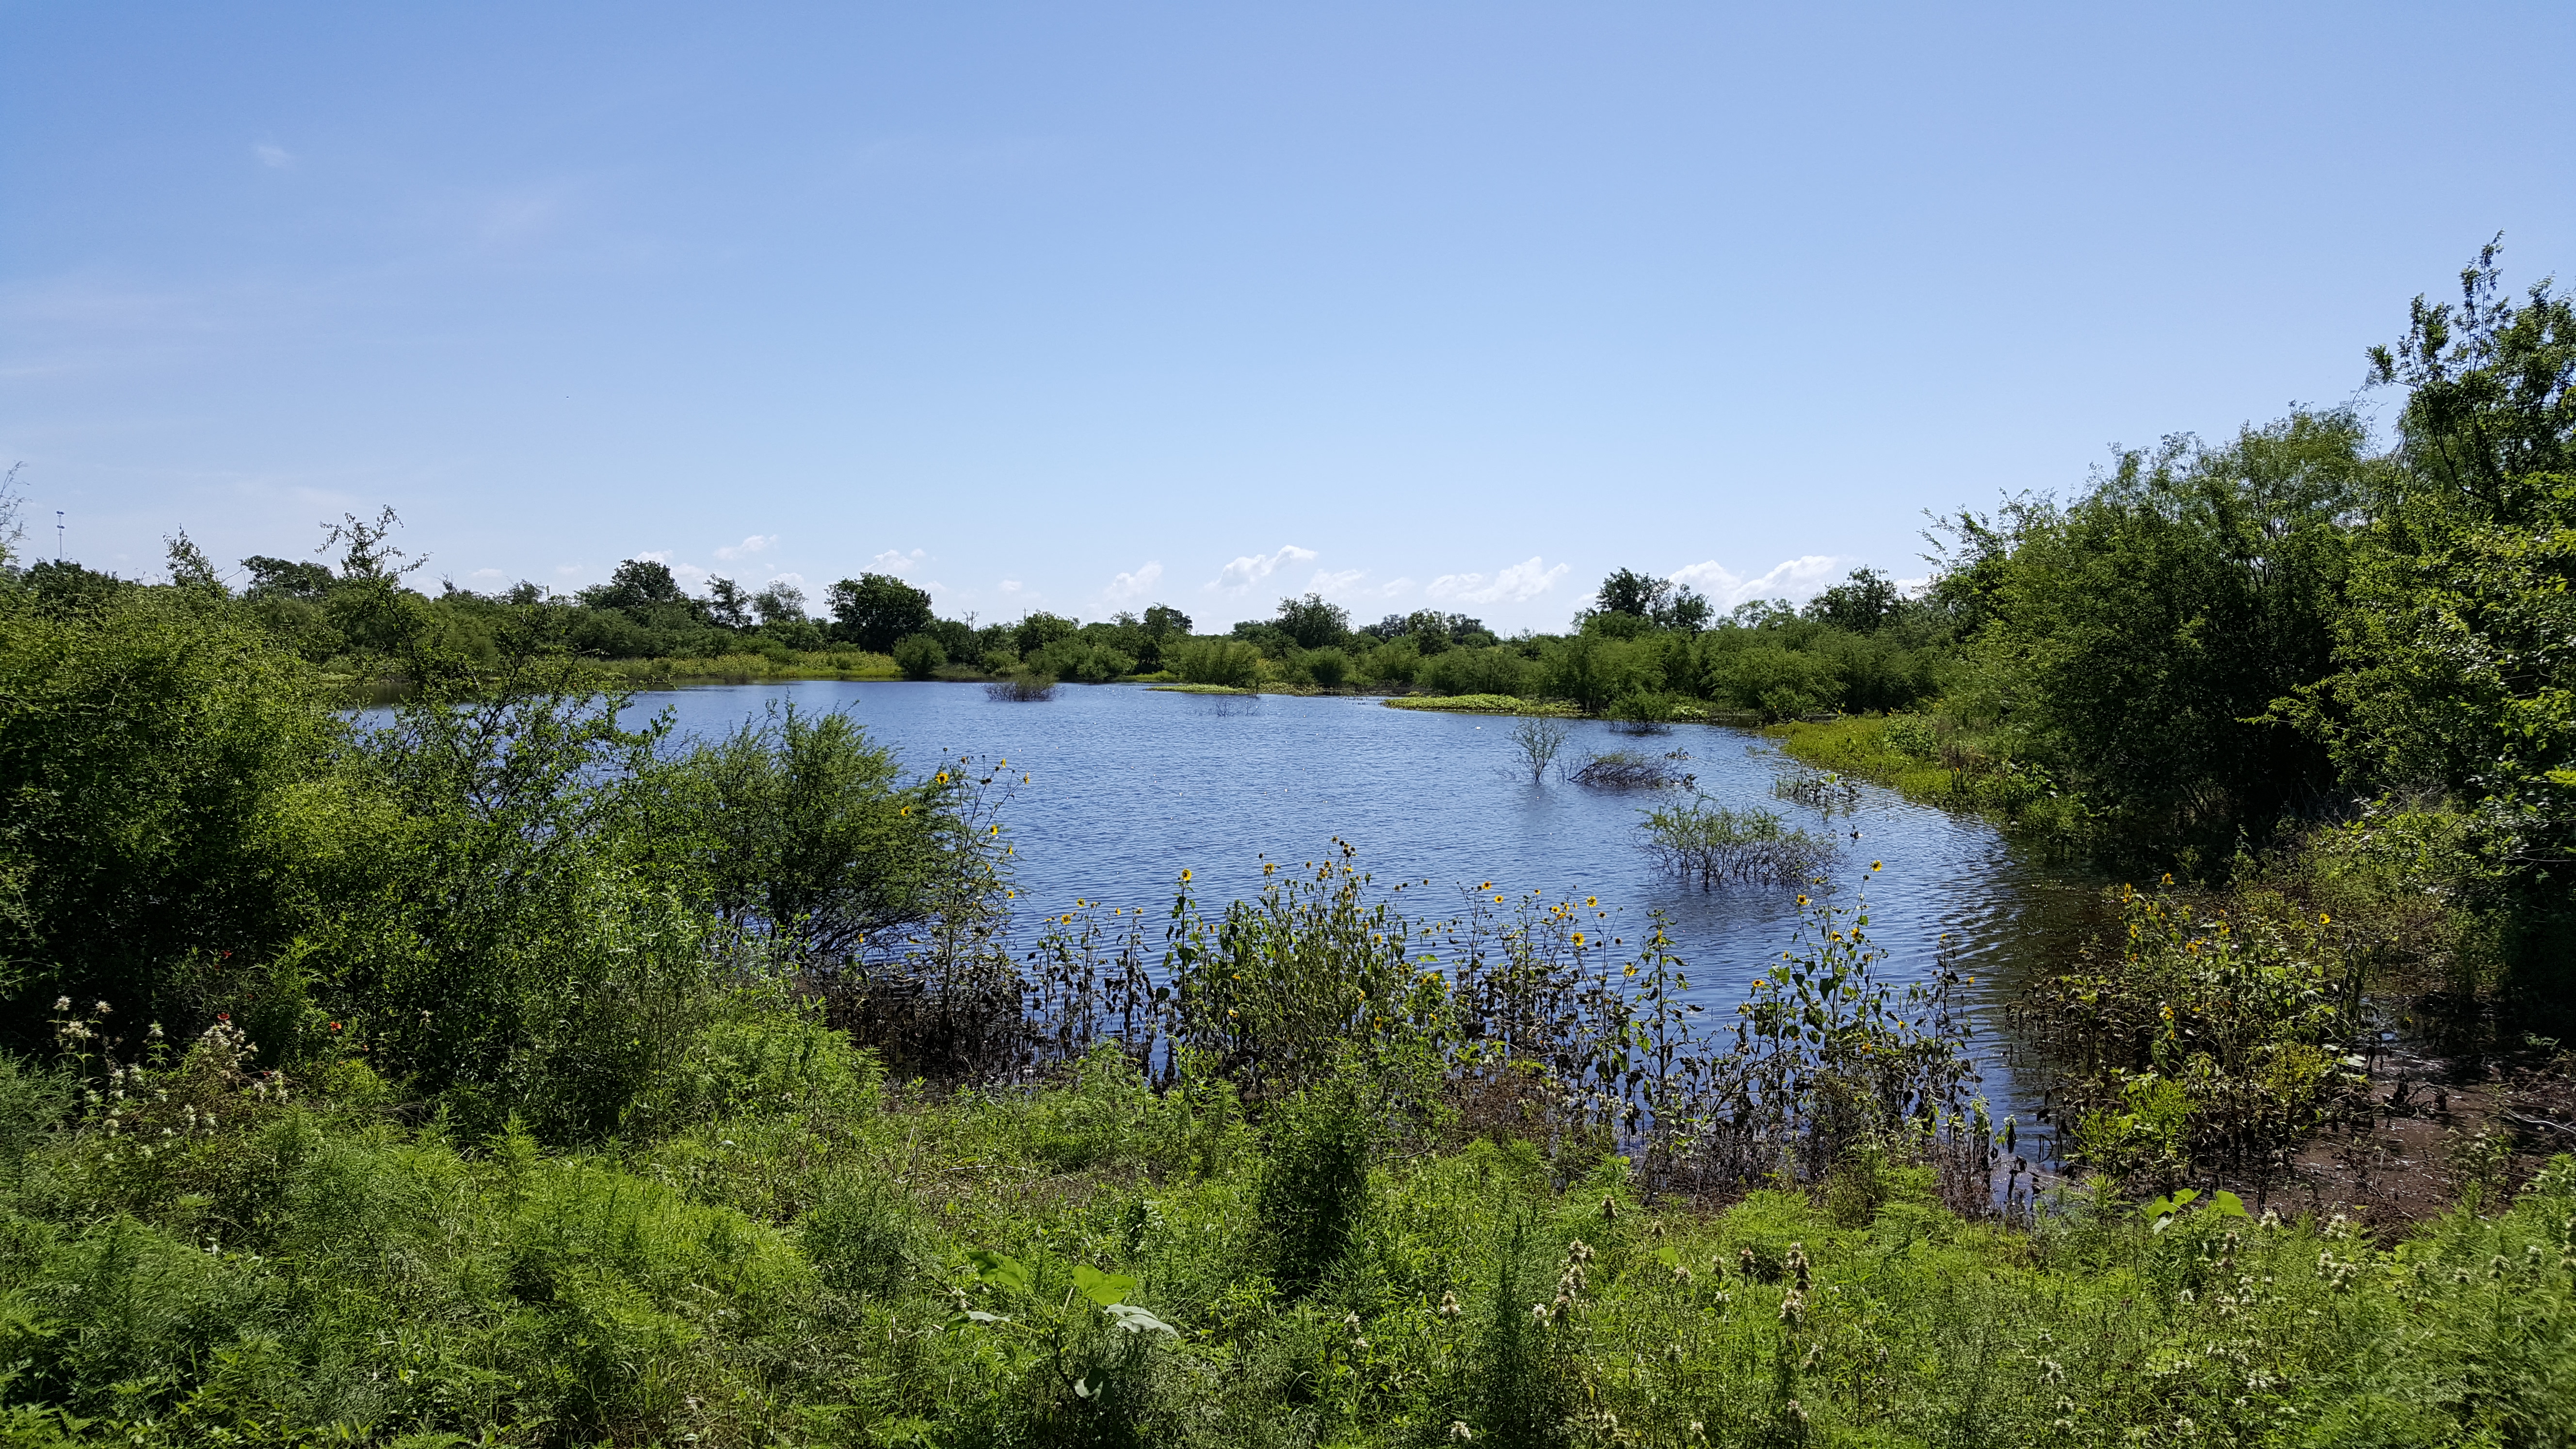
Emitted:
<point x="58" y="535"/>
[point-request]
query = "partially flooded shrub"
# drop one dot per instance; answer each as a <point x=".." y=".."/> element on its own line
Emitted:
<point x="1630" y="770"/>
<point x="1699" y="839"/>
<point x="2201" y="1041"/>
<point x="1022" y="687"/>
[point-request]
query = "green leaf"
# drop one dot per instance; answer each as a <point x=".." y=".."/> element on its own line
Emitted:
<point x="1128" y="1318"/>
<point x="998" y="1270"/>
<point x="2227" y="1204"/>
<point x="1105" y="1289"/>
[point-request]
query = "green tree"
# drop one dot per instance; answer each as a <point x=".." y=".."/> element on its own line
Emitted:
<point x="1864" y="603"/>
<point x="1311" y="623"/>
<point x="2454" y="665"/>
<point x="800" y="824"/>
<point x="727" y="606"/>
<point x="637" y="586"/>
<point x="1038" y="629"/>
<point x="286" y="578"/>
<point x="155" y="745"/>
<point x="874" y="610"/>
<point x="2133" y="642"/>
<point x="779" y="602"/>
<point x="1629" y="592"/>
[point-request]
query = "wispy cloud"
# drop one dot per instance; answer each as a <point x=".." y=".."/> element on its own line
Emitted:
<point x="756" y="543"/>
<point x="1336" y="583"/>
<point x="895" y="560"/>
<point x="274" y="157"/>
<point x="1796" y="579"/>
<point x="1517" y="584"/>
<point x="1125" y="587"/>
<point x="1239" y="576"/>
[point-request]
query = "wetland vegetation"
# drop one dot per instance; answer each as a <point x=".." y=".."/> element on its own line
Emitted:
<point x="489" y="1070"/>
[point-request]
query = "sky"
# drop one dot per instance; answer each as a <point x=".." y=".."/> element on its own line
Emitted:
<point x="1084" y="307"/>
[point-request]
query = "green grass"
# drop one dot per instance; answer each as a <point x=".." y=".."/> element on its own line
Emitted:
<point x="1201" y="689"/>
<point x="1482" y="704"/>
<point x="821" y="1259"/>
<point x="754" y="668"/>
<point x="1860" y="746"/>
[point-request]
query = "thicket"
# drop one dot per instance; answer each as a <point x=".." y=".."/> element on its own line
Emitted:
<point x="499" y="1072"/>
<point x="2218" y="655"/>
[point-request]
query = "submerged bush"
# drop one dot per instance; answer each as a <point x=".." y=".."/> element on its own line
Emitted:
<point x="1022" y="688"/>
<point x="1628" y="770"/>
<point x="1701" y="840"/>
<point x="2211" y="1041"/>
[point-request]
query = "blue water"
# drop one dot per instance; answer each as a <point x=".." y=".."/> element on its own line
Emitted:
<point x="1129" y="786"/>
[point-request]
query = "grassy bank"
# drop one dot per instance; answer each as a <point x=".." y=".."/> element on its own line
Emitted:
<point x="822" y="1259"/>
<point x="750" y="668"/>
<point x="1885" y="750"/>
<point x="1483" y="704"/>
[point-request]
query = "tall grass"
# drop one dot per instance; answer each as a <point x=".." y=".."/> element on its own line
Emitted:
<point x="815" y="1255"/>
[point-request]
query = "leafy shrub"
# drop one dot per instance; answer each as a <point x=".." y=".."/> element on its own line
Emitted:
<point x="1476" y="671"/>
<point x="919" y="656"/>
<point x="1704" y="841"/>
<point x="2210" y="1041"/>
<point x="1229" y="662"/>
<point x="1022" y="688"/>
<point x="1315" y="1185"/>
<point x="1642" y="712"/>
<point x="1082" y="661"/>
<point x="1327" y="667"/>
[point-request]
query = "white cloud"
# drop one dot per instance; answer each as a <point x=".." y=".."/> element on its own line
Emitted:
<point x="657" y="555"/>
<point x="1396" y="588"/>
<point x="1131" y="586"/>
<point x="1796" y="580"/>
<point x="1324" y="583"/>
<point x="493" y="574"/>
<point x="798" y="580"/>
<point x="274" y="157"/>
<point x="690" y="574"/>
<point x="757" y="543"/>
<point x="895" y="560"/>
<point x="1239" y="576"/>
<point x="1011" y="586"/>
<point x="1517" y="584"/>
<point x="568" y="570"/>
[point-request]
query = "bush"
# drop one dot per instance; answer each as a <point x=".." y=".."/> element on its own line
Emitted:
<point x="159" y="753"/>
<point x="1022" y="688"/>
<point x="1229" y="662"/>
<point x="1315" y="1184"/>
<point x="1082" y="661"/>
<point x="919" y="656"/>
<point x="1326" y="667"/>
<point x="1476" y="671"/>
<point x="1702" y="840"/>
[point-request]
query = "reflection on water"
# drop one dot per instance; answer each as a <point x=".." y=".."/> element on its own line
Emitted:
<point x="1128" y="786"/>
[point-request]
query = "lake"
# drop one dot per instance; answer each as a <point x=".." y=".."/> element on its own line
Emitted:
<point x="1128" y="786"/>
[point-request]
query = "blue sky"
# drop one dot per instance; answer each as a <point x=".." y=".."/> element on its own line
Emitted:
<point x="1089" y="306"/>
